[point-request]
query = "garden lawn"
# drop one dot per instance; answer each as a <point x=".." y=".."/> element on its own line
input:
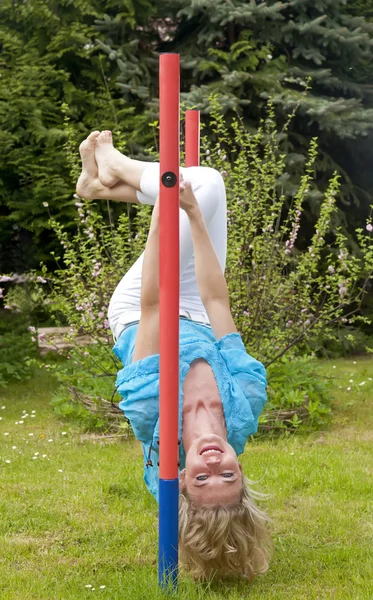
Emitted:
<point x="74" y="511"/>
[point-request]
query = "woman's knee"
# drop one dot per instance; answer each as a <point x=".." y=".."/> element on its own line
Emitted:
<point x="206" y="180"/>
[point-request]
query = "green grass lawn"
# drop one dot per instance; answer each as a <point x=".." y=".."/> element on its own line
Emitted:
<point x="74" y="511"/>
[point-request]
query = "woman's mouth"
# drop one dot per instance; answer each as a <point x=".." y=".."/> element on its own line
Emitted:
<point x="211" y="450"/>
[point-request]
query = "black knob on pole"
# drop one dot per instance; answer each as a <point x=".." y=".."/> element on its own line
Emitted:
<point x="169" y="179"/>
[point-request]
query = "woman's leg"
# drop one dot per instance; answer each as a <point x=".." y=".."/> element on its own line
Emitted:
<point x="140" y="183"/>
<point x="113" y="166"/>
<point x="209" y="190"/>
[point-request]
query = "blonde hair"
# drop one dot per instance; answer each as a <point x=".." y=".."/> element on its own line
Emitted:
<point x="218" y="541"/>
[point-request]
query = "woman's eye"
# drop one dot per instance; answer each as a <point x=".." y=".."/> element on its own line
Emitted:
<point x="228" y="474"/>
<point x="201" y="477"/>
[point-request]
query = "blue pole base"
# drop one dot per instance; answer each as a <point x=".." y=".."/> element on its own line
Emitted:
<point x="168" y="533"/>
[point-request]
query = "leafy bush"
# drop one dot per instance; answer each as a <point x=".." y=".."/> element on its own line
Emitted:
<point x="17" y="348"/>
<point x="86" y="397"/>
<point x="284" y="291"/>
<point x="298" y="397"/>
<point x="285" y="295"/>
<point x="346" y="341"/>
<point x="25" y="295"/>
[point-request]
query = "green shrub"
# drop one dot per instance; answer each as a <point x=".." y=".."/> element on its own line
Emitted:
<point x="17" y="347"/>
<point x="346" y="341"/>
<point x="85" y="396"/>
<point x="298" y="396"/>
<point x="283" y="297"/>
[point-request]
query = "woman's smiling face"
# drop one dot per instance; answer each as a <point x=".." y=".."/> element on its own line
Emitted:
<point x="212" y="474"/>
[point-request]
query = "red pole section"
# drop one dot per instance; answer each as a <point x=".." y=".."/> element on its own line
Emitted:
<point x="192" y="142"/>
<point x="169" y="96"/>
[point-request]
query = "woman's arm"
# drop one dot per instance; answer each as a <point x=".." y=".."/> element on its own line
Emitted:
<point x="147" y="338"/>
<point x="212" y="286"/>
<point x="150" y="267"/>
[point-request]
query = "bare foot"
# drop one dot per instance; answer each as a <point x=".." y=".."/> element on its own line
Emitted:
<point x="111" y="163"/>
<point x="89" y="185"/>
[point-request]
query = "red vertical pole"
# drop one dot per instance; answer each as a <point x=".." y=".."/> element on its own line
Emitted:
<point x="169" y="98"/>
<point x="169" y="263"/>
<point x="192" y="142"/>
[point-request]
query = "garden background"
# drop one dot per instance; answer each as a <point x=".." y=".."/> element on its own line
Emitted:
<point x="286" y="101"/>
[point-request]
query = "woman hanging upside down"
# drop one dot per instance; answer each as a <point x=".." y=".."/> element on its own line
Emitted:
<point x="222" y="388"/>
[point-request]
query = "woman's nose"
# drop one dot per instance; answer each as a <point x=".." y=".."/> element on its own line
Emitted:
<point x="213" y="460"/>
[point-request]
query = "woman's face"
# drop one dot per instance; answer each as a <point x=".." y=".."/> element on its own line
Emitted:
<point x="212" y="473"/>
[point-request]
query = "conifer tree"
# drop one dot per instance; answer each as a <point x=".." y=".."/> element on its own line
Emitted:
<point x="247" y="51"/>
<point x="48" y="56"/>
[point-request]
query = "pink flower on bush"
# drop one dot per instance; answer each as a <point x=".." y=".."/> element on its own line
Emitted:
<point x="5" y="278"/>
<point x="370" y="227"/>
<point x="41" y="279"/>
<point x="1" y="293"/>
<point x="331" y="269"/>
<point x="31" y="329"/>
<point x="106" y="324"/>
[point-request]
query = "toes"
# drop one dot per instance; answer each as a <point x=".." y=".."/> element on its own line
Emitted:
<point x="91" y="139"/>
<point x="87" y="145"/>
<point x="105" y="137"/>
<point x="93" y="136"/>
<point x="84" y="146"/>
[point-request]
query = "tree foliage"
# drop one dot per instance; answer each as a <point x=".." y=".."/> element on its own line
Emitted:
<point x="247" y="51"/>
<point x="101" y="59"/>
<point x="48" y="57"/>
